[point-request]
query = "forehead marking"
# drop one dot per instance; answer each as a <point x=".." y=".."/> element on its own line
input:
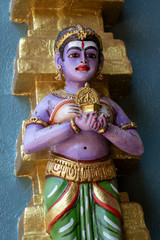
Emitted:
<point x="79" y="44"/>
<point x="82" y="45"/>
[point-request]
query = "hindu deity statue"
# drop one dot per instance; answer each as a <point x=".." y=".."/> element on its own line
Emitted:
<point x="78" y="125"/>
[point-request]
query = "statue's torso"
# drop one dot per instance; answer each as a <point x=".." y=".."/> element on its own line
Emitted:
<point x="87" y="145"/>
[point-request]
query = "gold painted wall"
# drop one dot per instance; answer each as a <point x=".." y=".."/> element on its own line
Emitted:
<point x="34" y="75"/>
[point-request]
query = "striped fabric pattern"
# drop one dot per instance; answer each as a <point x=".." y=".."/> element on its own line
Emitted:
<point x="86" y="218"/>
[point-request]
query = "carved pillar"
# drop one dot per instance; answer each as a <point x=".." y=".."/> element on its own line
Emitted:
<point x="34" y="75"/>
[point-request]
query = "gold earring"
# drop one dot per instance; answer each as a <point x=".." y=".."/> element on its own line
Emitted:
<point x="59" y="67"/>
<point x="58" y="73"/>
<point x="99" y="75"/>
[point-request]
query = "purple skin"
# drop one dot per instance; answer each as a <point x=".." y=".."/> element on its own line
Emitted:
<point x="88" y="144"/>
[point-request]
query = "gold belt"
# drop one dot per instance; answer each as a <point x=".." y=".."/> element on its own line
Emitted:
<point x="78" y="171"/>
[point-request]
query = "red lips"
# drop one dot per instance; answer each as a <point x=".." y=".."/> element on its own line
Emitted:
<point x="82" y="68"/>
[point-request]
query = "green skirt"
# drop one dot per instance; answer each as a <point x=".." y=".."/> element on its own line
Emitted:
<point x="87" y="211"/>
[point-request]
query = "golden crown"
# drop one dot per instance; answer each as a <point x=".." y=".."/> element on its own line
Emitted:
<point x="88" y="99"/>
<point x="81" y="32"/>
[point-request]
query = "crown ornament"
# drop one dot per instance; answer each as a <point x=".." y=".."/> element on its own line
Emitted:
<point x="81" y="32"/>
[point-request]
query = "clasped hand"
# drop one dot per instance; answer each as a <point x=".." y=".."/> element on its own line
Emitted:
<point x="88" y="121"/>
<point x="91" y="122"/>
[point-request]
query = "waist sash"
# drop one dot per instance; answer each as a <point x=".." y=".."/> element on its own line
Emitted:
<point x="80" y="171"/>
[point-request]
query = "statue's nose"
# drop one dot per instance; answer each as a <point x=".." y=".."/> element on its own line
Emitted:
<point x="83" y="58"/>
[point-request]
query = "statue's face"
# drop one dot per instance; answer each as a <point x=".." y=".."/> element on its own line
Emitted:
<point x="80" y="61"/>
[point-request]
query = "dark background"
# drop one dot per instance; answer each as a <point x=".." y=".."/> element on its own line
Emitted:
<point x="139" y="28"/>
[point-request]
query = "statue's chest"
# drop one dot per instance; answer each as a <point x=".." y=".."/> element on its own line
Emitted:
<point x="63" y="111"/>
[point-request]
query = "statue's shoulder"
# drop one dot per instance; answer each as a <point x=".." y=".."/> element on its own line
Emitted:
<point x="46" y="104"/>
<point x="117" y="109"/>
<point x="107" y="100"/>
<point x="49" y="100"/>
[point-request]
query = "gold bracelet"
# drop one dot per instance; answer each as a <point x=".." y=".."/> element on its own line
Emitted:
<point x="35" y="120"/>
<point x="103" y="130"/>
<point x="74" y="127"/>
<point x="130" y="125"/>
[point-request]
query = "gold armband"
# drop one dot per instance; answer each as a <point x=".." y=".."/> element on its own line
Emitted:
<point x="35" y="120"/>
<point x="74" y="127"/>
<point x="130" y="125"/>
<point x="103" y="130"/>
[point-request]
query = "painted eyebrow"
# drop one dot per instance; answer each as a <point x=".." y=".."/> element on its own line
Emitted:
<point x="91" y="47"/>
<point x="77" y="48"/>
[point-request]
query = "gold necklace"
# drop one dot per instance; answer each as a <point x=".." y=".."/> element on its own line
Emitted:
<point x="63" y="94"/>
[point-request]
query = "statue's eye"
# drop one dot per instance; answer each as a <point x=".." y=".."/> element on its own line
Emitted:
<point x="91" y="55"/>
<point x="74" y="55"/>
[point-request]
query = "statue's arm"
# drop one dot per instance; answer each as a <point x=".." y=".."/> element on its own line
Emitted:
<point x="38" y="138"/>
<point x="127" y="140"/>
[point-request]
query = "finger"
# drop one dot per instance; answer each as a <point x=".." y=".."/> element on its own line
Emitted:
<point x="93" y="114"/>
<point x="78" y="109"/>
<point x="89" y="116"/>
<point x="99" y="126"/>
<point x="93" y="120"/>
<point x="105" y="119"/>
<point x="102" y="122"/>
<point x="74" y="105"/>
<point x="74" y="109"/>
<point x="83" y="117"/>
<point x="106" y="116"/>
<point x="86" y="117"/>
<point x="95" y="125"/>
<point x="76" y="112"/>
<point x="79" y="117"/>
<point x="105" y="122"/>
<point x="103" y="116"/>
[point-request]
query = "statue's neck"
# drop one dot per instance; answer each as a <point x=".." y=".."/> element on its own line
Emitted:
<point x="73" y="87"/>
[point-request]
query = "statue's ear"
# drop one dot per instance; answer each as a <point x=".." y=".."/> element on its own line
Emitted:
<point x="57" y="59"/>
<point x="102" y="61"/>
